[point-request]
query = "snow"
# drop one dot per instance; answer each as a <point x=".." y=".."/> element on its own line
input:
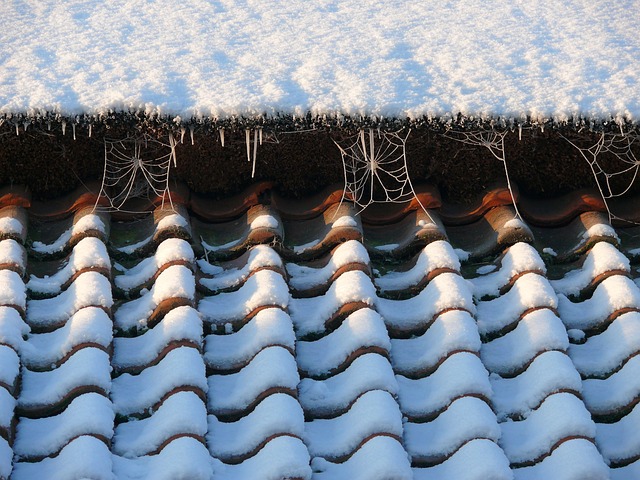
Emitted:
<point x="170" y="250"/>
<point x="367" y="372"/>
<point x="276" y="415"/>
<point x="136" y="393"/>
<point x="538" y="331"/>
<point x="529" y="291"/>
<point x="89" y="414"/>
<point x="560" y="416"/>
<point x="548" y="373"/>
<point x="84" y="457"/>
<point x="574" y="460"/>
<point x="615" y="392"/>
<point x="183" y="458"/>
<point x="12" y="290"/>
<point x="11" y="226"/>
<point x="12" y="328"/>
<point x="601" y="230"/>
<point x="272" y="367"/>
<point x="465" y="419"/>
<point x="620" y="440"/>
<point x="460" y="374"/>
<point x="260" y="256"/>
<point x="404" y="60"/>
<point x="362" y="329"/>
<point x="6" y="456"/>
<point x="88" y="289"/>
<point x="7" y="406"/>
<point x="305" y="246"/>
<point x="436" y="255"/>
<point x="477" y="460"/>
<point x="10" y="366"/>
<point x="452" y="331"/>
<point x="446" y="291"/>
<point x="614" y="293"/>
<point x="282" y="457"/>
<point x="264" y="221"/>
<point x="88" y="325"/>
<point x="87" y="367"/>
<point x="375" y="412"/>
<point x="310" y="314"/>
<point x="179" y="324"/>
<point x="462" y="255"/>
<point x="349" y="252"/>
<point x="514" y="223"/>
<point x="263" y="288"/>
<point x="176" y="281"/>
<point x="520" y="258"/>
<point x="379" y="458"/>
<point x="90" y="252"/>
<point x="86" y="223"/>
<point x="388" y="247"/>
<point x="345" y="221"/>
<point x="173" y="220"/>
<point x="602" y="354"/>
<point x="12" y="253"/>
<point x="180" y="414"/>
<point x="269" y="327"/>
<point x="484" y="269"/>
<point x="624" y="473"/>
<point x="602" y="258"/>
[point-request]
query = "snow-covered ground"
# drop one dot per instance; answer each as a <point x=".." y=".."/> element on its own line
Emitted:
<point x="244" y="58"/>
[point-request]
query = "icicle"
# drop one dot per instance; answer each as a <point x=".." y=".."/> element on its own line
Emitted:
<point x="90" y="125"/>
<point x="371" y="146"/>
<point x="64" y="128"/>
<point x="191" y="133"/>
<point x="260" y="136"/>
<point x="247" y="138"/>
<point x="25" y="125"/>
<point x="182" y="131"/>
<point x="172" y="144"/>
<point x="542" y="127"/>
<point x="222" y="137"/>
<point x="519" y="131"/>
<point x="620" y="124"/>
<point x="255" y="152"/>
<point x="17" y="129"/>
<point x="73" y="127"/>
<point x="49" y="125"/>
<point x="364" y="145"/>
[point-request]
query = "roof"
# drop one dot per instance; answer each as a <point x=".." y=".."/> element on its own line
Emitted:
<point x="215" y="60"/>
<point x="268" y="338"/>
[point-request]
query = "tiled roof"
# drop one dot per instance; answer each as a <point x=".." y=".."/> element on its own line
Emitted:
<point x="261" y="338"/>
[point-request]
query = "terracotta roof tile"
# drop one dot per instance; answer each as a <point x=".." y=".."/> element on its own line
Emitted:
<point x="261" y="337"/>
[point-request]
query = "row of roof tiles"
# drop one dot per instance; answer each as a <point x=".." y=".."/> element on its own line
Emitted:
<point x="279" y="346"/>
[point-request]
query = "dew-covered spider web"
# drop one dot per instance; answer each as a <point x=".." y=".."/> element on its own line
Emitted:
<point x="136" y="167"/>
<point x="375" y="169"/>
<point x="493" y="141"/>
<point x="613" y="160"/>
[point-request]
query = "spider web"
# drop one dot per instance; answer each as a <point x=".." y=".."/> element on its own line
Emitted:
<point x="375" y="169"/>
<point x="614" y="181"/>
<point x="136" y="167"/>
<point x="493" y="141"/>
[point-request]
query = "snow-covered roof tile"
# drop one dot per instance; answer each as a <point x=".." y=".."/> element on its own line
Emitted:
<point x="265" y="373"/>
